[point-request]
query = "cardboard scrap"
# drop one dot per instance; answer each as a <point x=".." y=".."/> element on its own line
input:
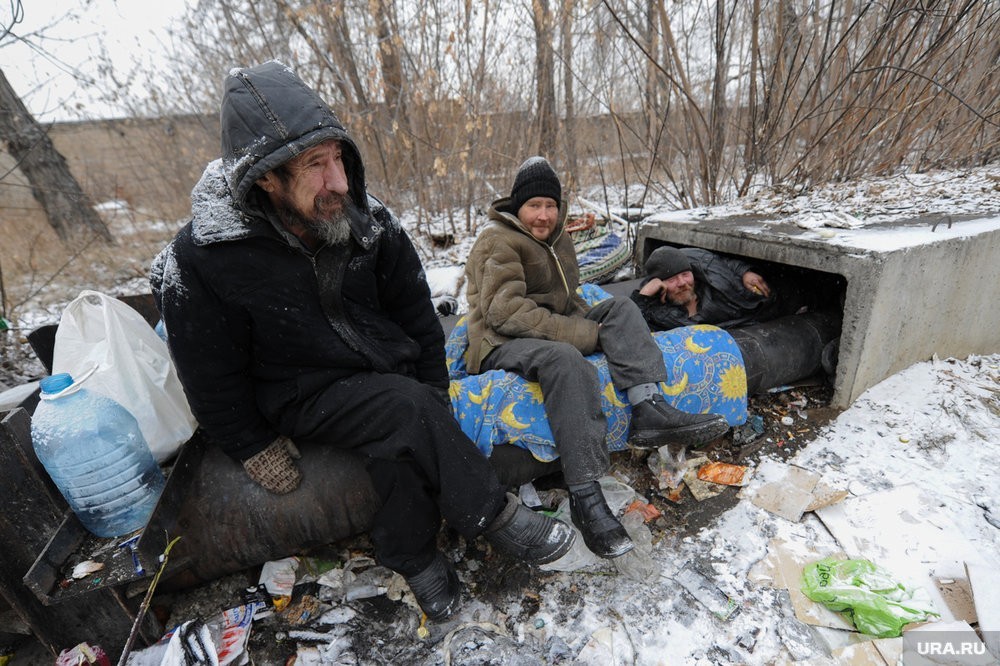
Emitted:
<point x="984" y="580"/>
<point x="957" y="594"/>
<point x="859" y="654"/>
<point x="824" y="495"/>
<point x="877" y="652"/>
<point x="787" y="493"/>
<point x="782" y="568"/>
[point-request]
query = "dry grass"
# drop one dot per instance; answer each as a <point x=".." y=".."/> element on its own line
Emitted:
<point x="41" y="274"/>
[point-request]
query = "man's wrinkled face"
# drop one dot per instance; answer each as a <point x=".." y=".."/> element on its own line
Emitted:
<point x="309" y="193"/>
<point x="679" y="288"/>
<point x="539" y="215"/>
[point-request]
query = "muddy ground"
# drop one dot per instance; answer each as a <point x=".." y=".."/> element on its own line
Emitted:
<point x="380" y="630"/>
<point x="383" y="630"/>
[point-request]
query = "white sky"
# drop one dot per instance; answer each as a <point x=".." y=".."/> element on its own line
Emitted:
<point x="69" y="35"/>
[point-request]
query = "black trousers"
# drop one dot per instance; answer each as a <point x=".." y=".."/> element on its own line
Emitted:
<point x="422" y="465"/>
<point x="570" y="384"/>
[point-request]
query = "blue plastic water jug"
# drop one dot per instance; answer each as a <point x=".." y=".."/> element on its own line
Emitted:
<point x="94" y="451"/>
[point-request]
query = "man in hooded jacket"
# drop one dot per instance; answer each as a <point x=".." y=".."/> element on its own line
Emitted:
<point x="296" y="309"/>
<point x="690" y="286"/>
<point x="526" y="317"/>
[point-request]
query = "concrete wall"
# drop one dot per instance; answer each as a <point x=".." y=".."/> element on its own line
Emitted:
<point x="932" y="299"/>
<point x="151" y="163"/>
<point x="931" y="293"/>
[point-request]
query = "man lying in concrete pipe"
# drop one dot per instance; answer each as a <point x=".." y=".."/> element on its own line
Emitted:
<point x="782" y="336"/>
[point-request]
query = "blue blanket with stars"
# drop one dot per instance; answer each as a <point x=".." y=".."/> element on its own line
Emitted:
<point x="704" y="369"/>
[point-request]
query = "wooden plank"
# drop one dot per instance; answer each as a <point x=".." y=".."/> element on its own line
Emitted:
<point x="31" y="518"/>
<point x="50" y="576"/>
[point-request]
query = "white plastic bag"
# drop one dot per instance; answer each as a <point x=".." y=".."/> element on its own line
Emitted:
<point x="130" y="364"/>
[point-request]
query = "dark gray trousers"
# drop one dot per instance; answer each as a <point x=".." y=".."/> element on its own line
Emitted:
<point x="570" y="385"/>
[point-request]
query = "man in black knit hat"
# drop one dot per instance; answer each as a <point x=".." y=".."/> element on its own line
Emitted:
<point x="783" y="328"/>
<point x="526" y="317"/>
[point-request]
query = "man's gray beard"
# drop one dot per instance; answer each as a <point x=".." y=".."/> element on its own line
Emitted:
<point x="332" y="229"/>
<point x="680" y="301"/>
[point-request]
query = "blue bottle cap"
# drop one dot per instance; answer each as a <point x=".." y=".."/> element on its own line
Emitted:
<point x="56" y="383"/>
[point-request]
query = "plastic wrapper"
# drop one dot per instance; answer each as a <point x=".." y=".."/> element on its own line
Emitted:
<point x="867" y="594"/>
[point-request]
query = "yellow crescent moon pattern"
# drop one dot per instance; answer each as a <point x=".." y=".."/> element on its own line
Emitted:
<point x="675" y="389"/>
<point x="611" y="396"/>
<point x="694" y="348"/>
<point x="705" y="371"/>
<point x="508" y="417"/>
<point x="478" y="398"/>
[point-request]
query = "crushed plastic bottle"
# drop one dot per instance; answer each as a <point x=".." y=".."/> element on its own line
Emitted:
<point x="638" y="563"/>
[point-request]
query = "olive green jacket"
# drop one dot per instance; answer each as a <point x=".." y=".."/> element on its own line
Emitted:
<point x="521" y="287"/>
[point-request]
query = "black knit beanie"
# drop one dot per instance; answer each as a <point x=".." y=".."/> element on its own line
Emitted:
<point x="535" y="178"/>
<point x="666" y="262"/>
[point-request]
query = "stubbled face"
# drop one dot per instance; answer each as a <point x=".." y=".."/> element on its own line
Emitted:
<point x="679" y="288"/>
<point x="309" y="193"/>
<point x="539" y="215"/>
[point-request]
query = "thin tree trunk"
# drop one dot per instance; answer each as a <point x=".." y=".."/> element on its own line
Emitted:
<point x="569" y="133"/>
<point x="751" y="159"/>
<point x="545" y="77"/>
<point x="652" y="74"/>
<point x="398" y="99"/>
<point x="69" y="211"/>
<point x="717" y="138"/>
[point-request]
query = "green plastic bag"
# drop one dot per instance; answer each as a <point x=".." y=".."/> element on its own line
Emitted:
<point x="876" y="604"/>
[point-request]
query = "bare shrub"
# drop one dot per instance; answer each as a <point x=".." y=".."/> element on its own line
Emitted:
<point x="795" y="93"/>
<point x="692" y="102"/>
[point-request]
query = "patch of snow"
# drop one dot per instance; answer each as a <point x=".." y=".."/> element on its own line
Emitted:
<point x="113" y="206"/>
<point x="897" y="238"/>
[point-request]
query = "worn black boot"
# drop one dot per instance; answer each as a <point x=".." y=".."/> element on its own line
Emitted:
<point x="528" y="535"/>
<point x="655" y="423"/>
<point x="603" y="534"/>
<point x="436" y="588"/>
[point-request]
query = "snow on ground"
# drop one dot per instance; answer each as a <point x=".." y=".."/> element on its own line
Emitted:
<point x="935" y="425"/>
